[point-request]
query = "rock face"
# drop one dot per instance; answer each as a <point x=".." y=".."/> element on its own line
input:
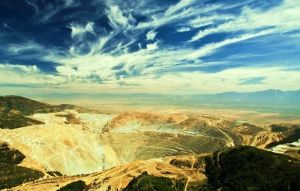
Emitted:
<point x="57" y="146"/>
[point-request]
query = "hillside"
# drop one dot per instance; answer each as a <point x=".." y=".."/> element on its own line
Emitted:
<point x="15" y="109"/>
<point x="235" y="169"/>
<point x="22" y="105"/>
<point x="249" y="168"/>
<point x="11" y="174"/>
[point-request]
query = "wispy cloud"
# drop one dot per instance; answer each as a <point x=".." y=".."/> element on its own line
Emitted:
<point x="21" y="48"/>
<point x="209" y="20"/>
<point x="27" y="75"/>
<point x="117" y="20"/>
<point x="250" y="81"/>
<point x="213" y="47"/>
<point x="44" y="12"/>
<point x="281" y="19"/>
<point x="33" y="5"/>
<point x="78" y="30"/>
<point x="179" y="6"/>
<point x="183" y="29"/>
<point x="146" y="46"/>
<point x="151" y="35"/>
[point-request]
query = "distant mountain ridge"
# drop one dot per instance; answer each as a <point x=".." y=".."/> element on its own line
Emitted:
<point x="272" y="100"/>
<point x="283" y="102"/>
<point x="261" y="95"/>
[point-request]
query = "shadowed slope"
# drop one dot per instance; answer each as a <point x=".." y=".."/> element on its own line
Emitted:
<point x="14" y="109"/>
<point x="10" y="174"/>
<point x="249" y="168"/>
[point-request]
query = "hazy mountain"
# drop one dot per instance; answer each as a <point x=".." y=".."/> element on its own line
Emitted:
<point x="284" y="102"/>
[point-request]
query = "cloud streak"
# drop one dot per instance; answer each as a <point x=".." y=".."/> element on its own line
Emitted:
<point x="78" y="30"/>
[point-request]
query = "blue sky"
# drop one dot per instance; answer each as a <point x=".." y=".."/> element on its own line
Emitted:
<point x="149" y="46"/>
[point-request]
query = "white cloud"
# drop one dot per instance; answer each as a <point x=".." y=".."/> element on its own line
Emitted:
<point x="151" y="35"/>
<point x="78" y="30"/>
<point x="116" y="17"/>
<point x="100" y="44"/>
<point x="51" y="9"/>
<point x="159" y="67"/>
<point x="227" y="80"/>
<point x="69" y="3"/>
<point x="201" y="21"/>
<point x="19" y="68"/>
<point x="173" y="16"/>
<point x="183" y="29"/>
<point x="185" y="11"/>
<point x="28" y="46"/>
<point x="153" y="46"/>
<point x="26" y="75"/>
<point x="166" y="62"/>
<point x="282" y="19"/>
<point x="33" y="5"/>
<point x="179" y="6"/>
<point x="212" y="47"/>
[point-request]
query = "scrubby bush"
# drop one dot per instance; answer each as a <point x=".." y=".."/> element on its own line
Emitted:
<point x="74" y="186"/>
<point x="146" y="182"/>
<point x="249" y="168"/>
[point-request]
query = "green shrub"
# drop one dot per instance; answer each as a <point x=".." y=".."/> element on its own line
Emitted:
<point x="146" y="182"/>
<point x="10" y="156"/>
<point x="12" y="175"/>
<point x="74" y="186"/>
<point x="249" y="168"/>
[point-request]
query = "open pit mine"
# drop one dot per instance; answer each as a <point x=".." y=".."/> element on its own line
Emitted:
<point x="65" y="147"/>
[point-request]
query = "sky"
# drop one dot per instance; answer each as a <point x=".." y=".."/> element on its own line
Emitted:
<point x="149" y="46"/>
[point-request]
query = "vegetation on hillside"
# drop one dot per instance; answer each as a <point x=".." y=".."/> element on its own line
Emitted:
<point x="10" y="174"/>
<point x="23" y="105"/>
<point x="10" y="156"/>
<point x="241" y="168"/>
<point x="13" y="175"/>
<point x="14" y="109"/>
<point x="146" y="182"/>
<point x="248" y="168"/>
<point x="15" y="121"/>
<point x="74" y="186"/>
